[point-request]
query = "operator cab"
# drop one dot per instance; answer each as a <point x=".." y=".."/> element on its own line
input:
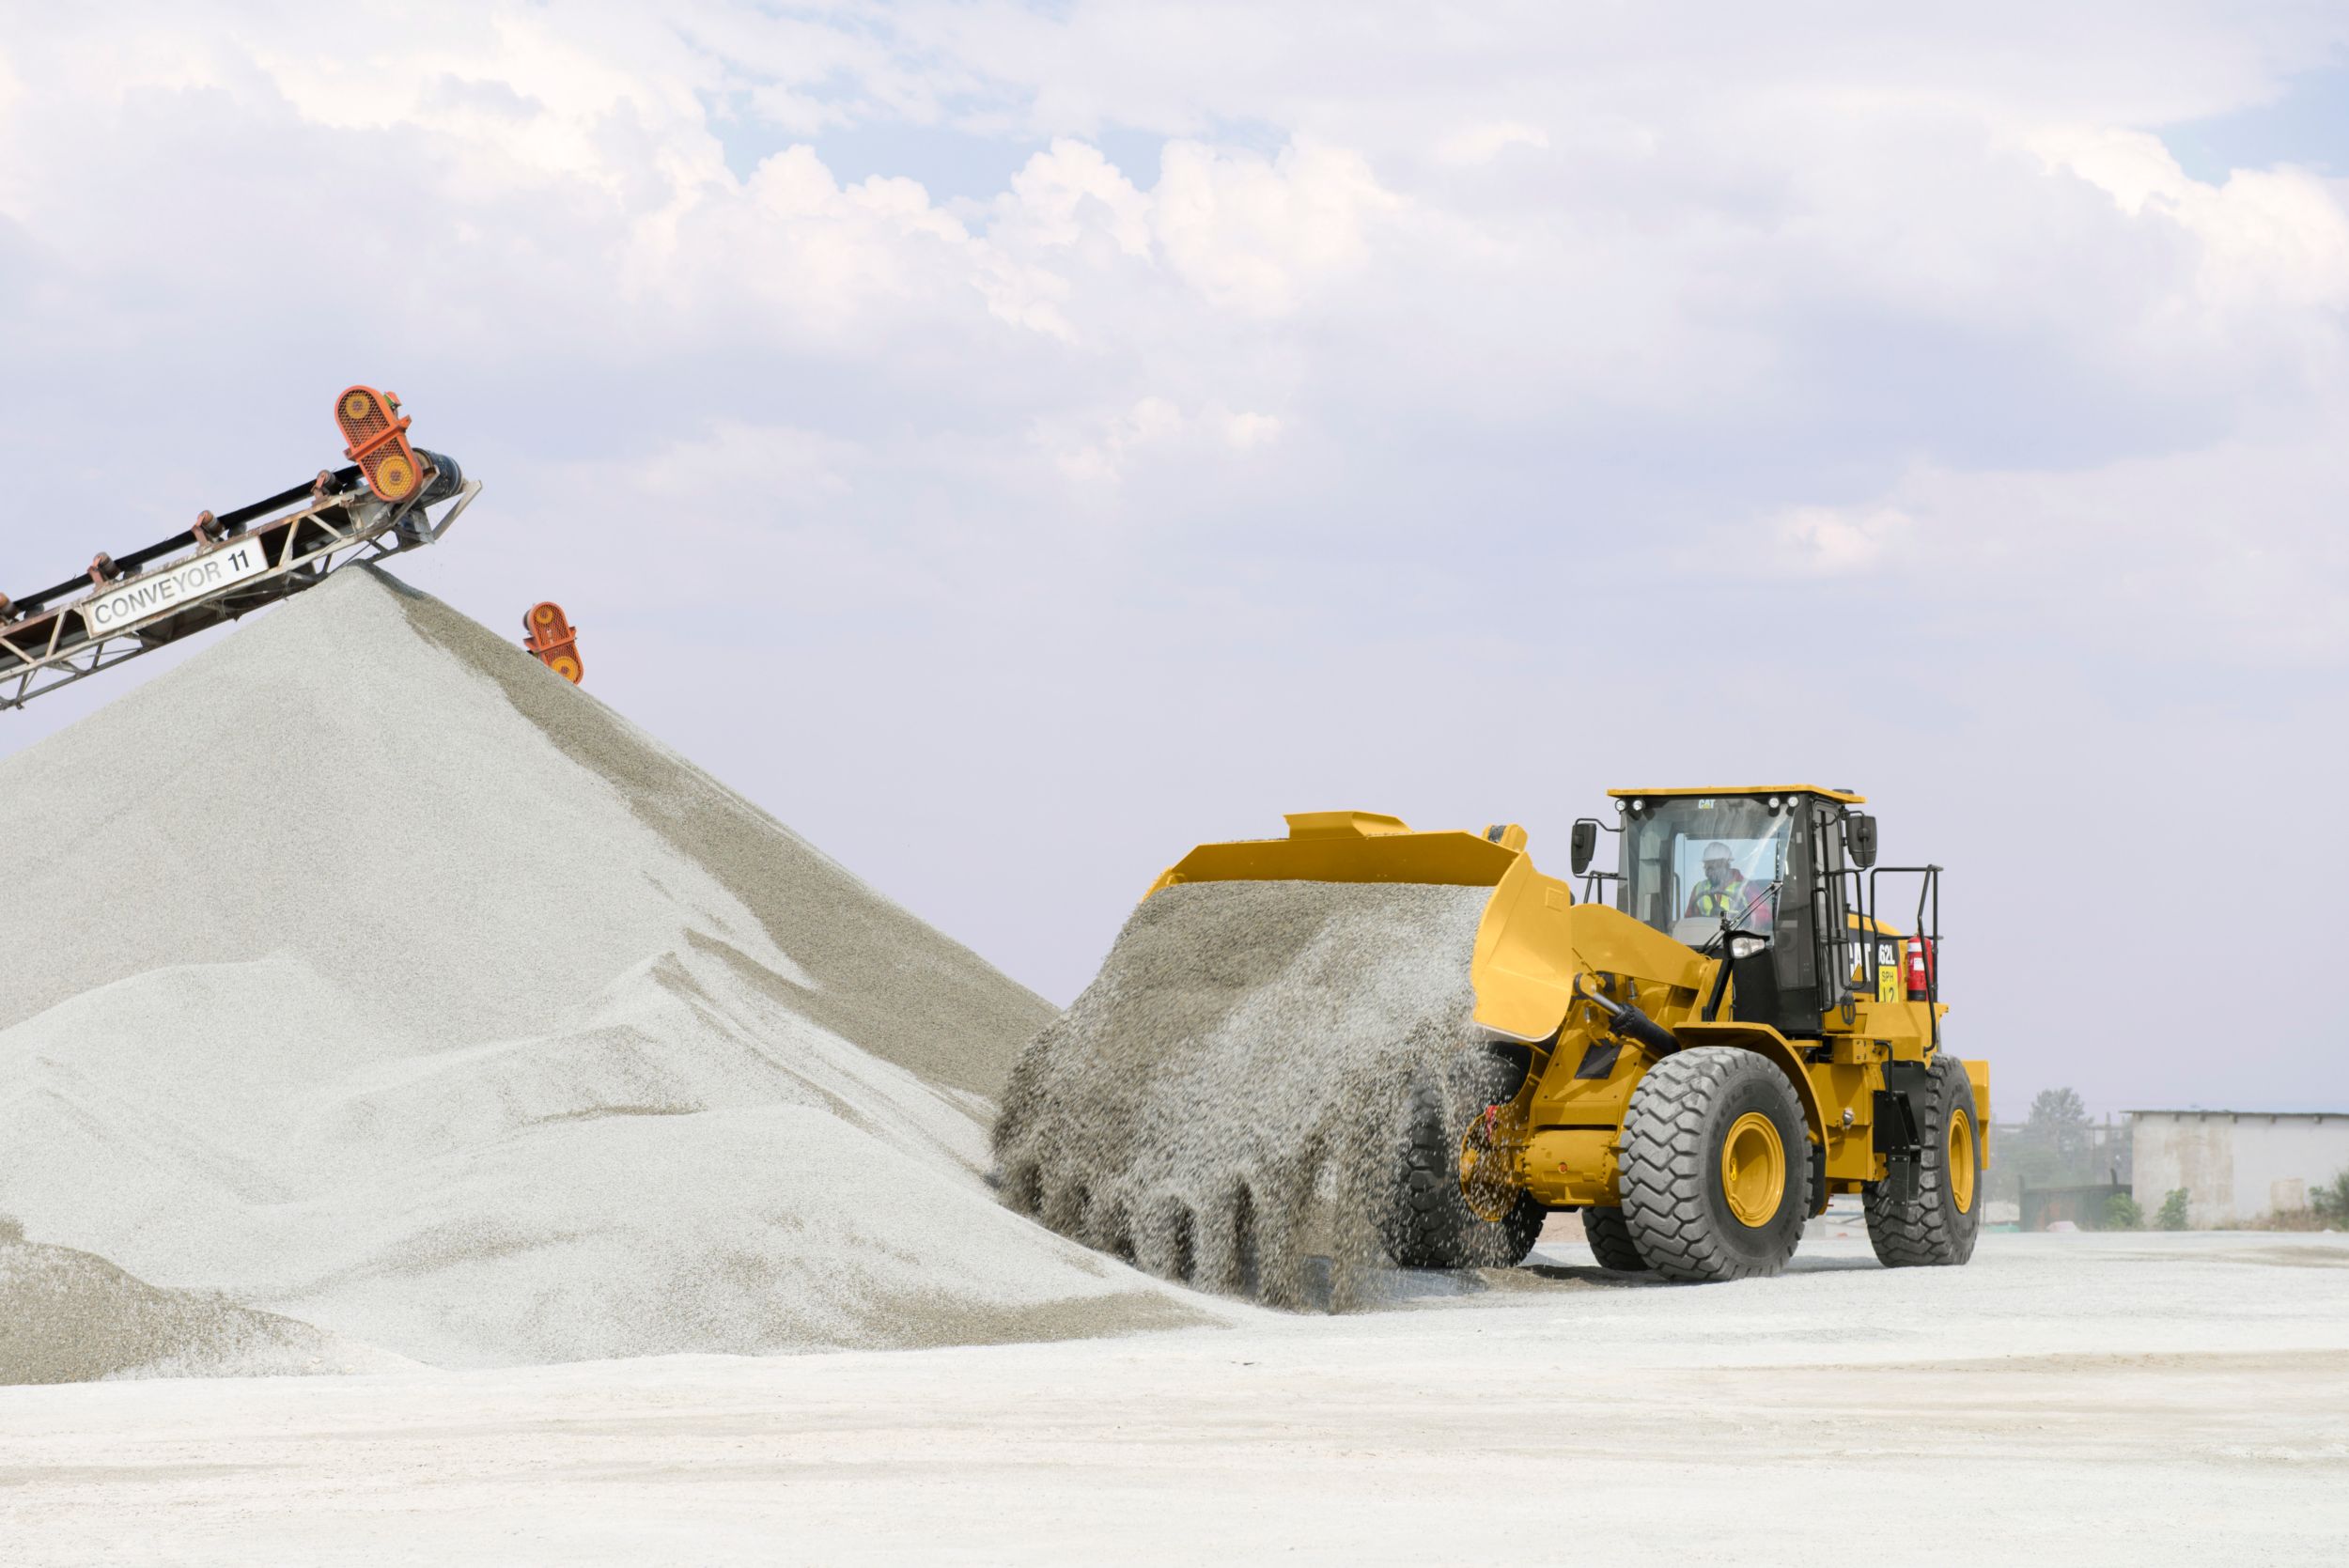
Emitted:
<point x="1774" y="873"/>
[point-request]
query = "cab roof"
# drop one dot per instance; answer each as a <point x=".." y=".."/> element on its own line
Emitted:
<point x="1845" y="795"/>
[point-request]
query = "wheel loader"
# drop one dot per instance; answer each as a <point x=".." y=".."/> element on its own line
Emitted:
<point x="1722" y="1033"/>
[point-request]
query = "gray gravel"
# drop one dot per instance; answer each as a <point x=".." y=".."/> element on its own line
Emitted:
<point x="66" y="1316"/>
<point x="1221" y="1103"/>
<point x="363" y="970"/>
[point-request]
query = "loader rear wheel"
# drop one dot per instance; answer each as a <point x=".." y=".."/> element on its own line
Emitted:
<point x="1714" y="1175"/>
<point x="1610" y="1241"/>
<point x="1939" y="1226"/>
<point x="1429" y="1223"/>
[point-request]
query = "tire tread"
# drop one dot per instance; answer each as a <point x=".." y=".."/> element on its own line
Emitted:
<point x="1663" y="1163"/>
<point x="1430" y="1227"/>
<point x="1610" y="1241"/>
<point x="1919" y="1233"/>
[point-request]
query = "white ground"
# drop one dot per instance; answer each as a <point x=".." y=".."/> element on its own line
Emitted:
<point x="2067" y="1400"/>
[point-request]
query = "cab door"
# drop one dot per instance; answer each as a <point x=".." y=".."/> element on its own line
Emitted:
<point x="1846" y="954"/>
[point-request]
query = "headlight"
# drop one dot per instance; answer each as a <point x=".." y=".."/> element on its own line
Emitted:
<point x="1745" y="947"/>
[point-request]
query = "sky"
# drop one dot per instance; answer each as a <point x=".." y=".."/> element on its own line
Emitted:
<point x="1014" y="444"/>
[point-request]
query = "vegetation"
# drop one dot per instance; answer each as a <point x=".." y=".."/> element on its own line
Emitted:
<point x="2055" y="1146"/>
<point x="2121" y="1212"/>
<point x="2330" y="1203"/>
<point x="2171" y="1215"/>
<point x="2055" y="1134"/>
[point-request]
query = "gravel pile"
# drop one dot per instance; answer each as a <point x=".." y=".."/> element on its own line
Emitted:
<point x="1223" y="1104"/>
<point x="70" y="1317"/>
<point x="362" y="971"/>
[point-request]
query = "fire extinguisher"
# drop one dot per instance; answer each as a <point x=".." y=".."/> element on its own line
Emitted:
<point x="1920" y="969"/>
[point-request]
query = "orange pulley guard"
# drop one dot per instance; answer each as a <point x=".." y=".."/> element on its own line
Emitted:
<point x="553" y="640"/>
<point x="375" y="434"/>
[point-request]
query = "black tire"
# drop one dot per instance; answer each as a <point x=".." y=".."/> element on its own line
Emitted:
<point x="1610" y="1241"/>
<point x="1674" y="1200"/>
<point x="1428" y="1224"/>
<point x="1936" y="1229"/>
<point x="1506" y="1245"/>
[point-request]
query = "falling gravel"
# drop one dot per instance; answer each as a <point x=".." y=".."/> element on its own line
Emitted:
<point x="1223" y="1104"/>
<point x="362" y="972"/>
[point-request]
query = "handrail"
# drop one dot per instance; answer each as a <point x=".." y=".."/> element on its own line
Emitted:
<point x="1927" y="927"/>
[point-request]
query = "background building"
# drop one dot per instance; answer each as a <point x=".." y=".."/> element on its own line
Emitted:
<point x="2236" y="1166"/>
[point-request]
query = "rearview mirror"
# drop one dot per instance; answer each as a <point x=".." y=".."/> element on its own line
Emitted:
<point x="1859" y="837"/>
<point x="1585" y="845"/>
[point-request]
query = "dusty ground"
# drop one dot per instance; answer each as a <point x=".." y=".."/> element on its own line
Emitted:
<point x="2065" y="1400"/>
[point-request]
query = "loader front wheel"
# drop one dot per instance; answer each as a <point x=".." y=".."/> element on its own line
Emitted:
<point x="1610" y="1241"/>
<point x="1428" y="1223"/>
<point x="1714" y="1166"/>
<point x="1939" y="1225"/>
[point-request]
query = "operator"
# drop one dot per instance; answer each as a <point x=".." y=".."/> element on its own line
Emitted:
<point x="1717" y="894"/>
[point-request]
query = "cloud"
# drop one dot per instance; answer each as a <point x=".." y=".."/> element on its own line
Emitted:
<point x="2219" y="561"/>
<point x="1828" y="541"/>
<point x="1256" y="233"/>
<point x="1477" y="370"/>
<point x="1245" y="432"/>
<point x="1155" y="424"/>
<point x="2267" y="237"/>
<point x="1480" y="144"/>
<point x="1070" y="191"/>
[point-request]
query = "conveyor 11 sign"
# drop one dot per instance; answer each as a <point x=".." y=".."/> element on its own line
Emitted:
<point x="161" y="591"/>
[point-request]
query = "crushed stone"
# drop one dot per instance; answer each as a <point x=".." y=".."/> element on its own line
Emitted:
<point x="1223" y="1105"/>
<point x="362" y="971"/>
<point x="66" y="1316"/>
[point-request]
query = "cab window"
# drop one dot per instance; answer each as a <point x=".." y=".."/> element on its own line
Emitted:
<point x="1692" y="861"/>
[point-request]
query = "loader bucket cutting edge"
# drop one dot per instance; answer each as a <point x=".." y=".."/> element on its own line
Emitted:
<point x="1452" y="859"/>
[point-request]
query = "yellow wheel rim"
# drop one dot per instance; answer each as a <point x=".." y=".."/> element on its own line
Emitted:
<point x="1753" y="1169"/>
<point x="395" y="478"/>
<point x="1960" y="1163"/>
<point x="567" y="668"/>
<point x="356" y="406"/>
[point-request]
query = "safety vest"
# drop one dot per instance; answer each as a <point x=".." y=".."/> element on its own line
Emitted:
<point x="1709" y="900"/>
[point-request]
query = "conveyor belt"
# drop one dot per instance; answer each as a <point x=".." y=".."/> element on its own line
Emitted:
<point x="217" y="571"/>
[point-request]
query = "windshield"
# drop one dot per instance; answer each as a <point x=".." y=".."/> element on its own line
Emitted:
<point x="1691" y="859"/>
